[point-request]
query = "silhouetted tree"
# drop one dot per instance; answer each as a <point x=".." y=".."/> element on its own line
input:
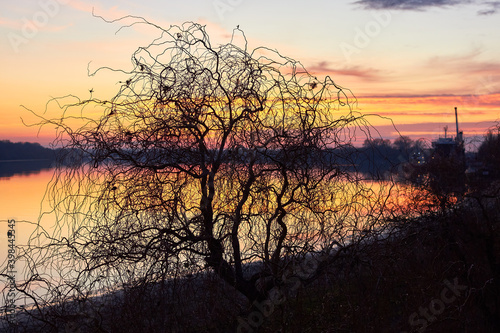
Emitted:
<point x="24" y="151"/>
<point x="208" y="158"/>
<point x="378" y="158"/>
<point x="440" y="172"/>
<point x="404" y="145"/>
<point x="489" y="150"/>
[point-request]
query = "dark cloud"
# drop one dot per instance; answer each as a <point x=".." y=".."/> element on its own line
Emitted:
<point x="409" y="4"/>
<point x="487" y="7"/>
<point x="493" y="8"/>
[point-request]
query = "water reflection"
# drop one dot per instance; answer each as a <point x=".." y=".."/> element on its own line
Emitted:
<point x="23" y="167"/>
<point x="353" y="207"/>
<point x="22" y="191"/>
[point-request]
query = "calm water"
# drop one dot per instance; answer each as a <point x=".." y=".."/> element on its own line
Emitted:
<point x="22" y="191"/>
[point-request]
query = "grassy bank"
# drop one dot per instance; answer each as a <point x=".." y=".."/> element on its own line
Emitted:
<point x="439" y="273"/>
<point x="436" y="273"/>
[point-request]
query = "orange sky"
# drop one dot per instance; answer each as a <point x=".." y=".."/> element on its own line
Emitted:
<point x="412" y="65"/>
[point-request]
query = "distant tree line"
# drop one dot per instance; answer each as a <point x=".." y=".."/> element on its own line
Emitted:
<point x="379" y="157"/>
<point x="489" y="151"/>
<point x="25" y="151"/>
<point x="376" y="158"/>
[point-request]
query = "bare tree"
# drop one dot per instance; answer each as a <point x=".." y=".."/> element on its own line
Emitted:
<point x="489" y="150"/>
<point x="214" y="158"/>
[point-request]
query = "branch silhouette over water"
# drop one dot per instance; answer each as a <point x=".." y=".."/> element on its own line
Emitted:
<point x="215" y="160"/>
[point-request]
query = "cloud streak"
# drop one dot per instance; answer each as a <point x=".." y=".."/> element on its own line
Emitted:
<point x="492" y="7"/>
<point x="324" y="68"/>
<point x="408" y="4"/>
<point x="434" y="129"/>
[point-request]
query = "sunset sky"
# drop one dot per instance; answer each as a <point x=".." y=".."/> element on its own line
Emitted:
<point x="409" y="61"/>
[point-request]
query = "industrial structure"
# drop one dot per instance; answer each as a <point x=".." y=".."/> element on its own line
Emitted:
<point x="446" y="167"/>
<point x="450" y="147"/>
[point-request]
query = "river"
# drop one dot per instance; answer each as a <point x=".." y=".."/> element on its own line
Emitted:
<point x="22" y="188"/>
<point x="22" y="192"/>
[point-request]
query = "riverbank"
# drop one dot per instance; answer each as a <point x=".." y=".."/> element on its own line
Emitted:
<point x="435" y="273"/>
<point x="438" y="273"/>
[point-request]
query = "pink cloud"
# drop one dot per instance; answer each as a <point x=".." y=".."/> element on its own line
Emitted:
<point x="324" y="68"/>
<point x="432" y="130"/>
<point x="465" y="64"/>
<point x="485" y="100"/>
<point x="9" y="23"/>
<point x="466" y="73"/>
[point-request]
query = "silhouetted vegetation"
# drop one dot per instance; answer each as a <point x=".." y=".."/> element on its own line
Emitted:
<point x="489" y="152"/>
<point x="220" y="191"/>
<point x="25" y="151"/>
<point x="377" y="159"/>
<point x="437" y="273"/>
<point x="27" y="158"/>
<point x="383" y="159"/>
<point x="208" y="159"/>
<point x="24" y="167"/>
